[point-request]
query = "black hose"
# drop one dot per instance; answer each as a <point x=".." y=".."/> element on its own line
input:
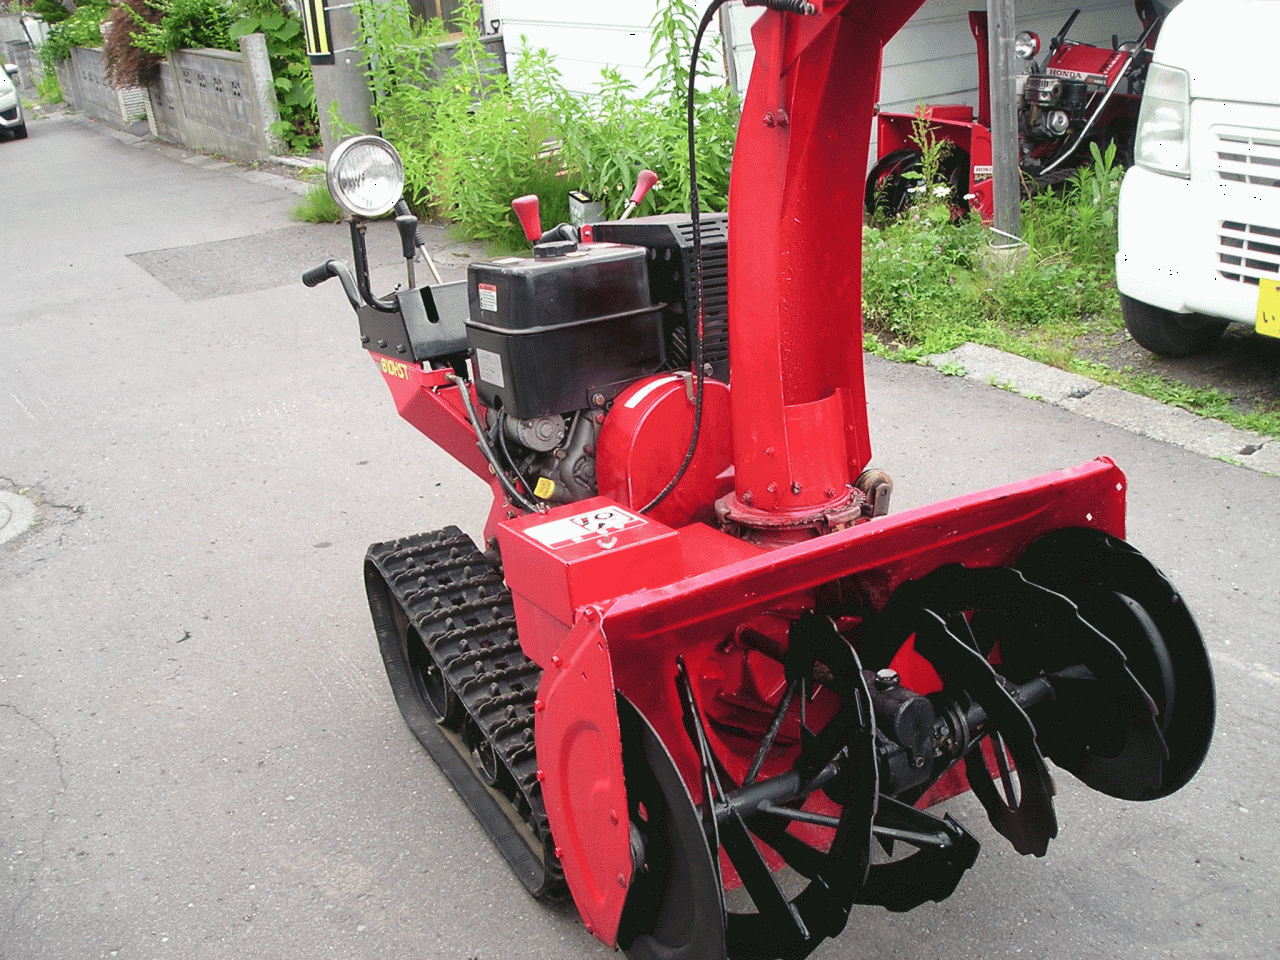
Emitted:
<point x="696" y="273"/>
<point x="506" y="452"/>
<point x="695" y="215"/>
<point x="486" y="448"/>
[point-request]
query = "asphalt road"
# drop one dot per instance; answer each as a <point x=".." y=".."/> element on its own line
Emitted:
<point x="199" y="753"/>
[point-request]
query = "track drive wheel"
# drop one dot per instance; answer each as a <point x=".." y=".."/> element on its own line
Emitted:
<point x="419" y="686"/>
<point x="1123" y="595"/>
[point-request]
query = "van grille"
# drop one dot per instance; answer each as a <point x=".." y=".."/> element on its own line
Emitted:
<point x="1247" y="252"/>
<point x="1249" y="156"/>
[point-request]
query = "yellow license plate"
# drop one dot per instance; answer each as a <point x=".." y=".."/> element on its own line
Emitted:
<point x="1268" y="321"/>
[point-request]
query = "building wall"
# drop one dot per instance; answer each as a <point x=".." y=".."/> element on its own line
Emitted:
<point x="584" y="35"/>
<point x="933" y="58"/>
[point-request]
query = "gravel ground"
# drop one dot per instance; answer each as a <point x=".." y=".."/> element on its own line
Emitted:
<point x="1241" y="364"/>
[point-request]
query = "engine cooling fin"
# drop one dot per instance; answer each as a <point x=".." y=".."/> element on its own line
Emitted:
<point x="447" y="632"/>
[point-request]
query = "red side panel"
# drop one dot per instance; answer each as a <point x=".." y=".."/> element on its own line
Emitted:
<point x="580" y="766"/>
<point x="430" y="402"/>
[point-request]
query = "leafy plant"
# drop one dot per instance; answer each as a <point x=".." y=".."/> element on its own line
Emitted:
<point x="81" y="29"/>
<point x="924" y="285"/>
<point x="48" y="87"/>
<point x="50" y="11"/>
<point x="299" y="124"/>
<point x="129" y="64"/>
<point x="472" y="139"/>
<point x="184" y="25"/>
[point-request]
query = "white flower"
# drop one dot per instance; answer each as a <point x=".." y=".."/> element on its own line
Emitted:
<point x="941" y="190"/>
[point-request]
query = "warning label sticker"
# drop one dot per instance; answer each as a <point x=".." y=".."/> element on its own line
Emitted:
<point x="488" y="297"/>
<point x="585" y="526"/>
<point x="489" y="367"/>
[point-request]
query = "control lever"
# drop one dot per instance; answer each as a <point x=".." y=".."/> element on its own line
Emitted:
<point x="1056" y="42"/>
<point x="407" y="224"/>
<point x="644" y="183"/>
<point x="402" y="211"/>
<point x="530" y="217"/>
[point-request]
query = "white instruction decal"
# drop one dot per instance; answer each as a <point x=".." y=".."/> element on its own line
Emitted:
<point x="488" y="297"/>
<point x="585" y="526"/>
<point x="489" y="367"/>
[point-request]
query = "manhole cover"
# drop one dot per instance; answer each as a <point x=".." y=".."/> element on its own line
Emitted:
<point x="16" y="514"/>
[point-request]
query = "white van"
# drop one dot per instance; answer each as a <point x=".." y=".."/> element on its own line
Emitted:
<point x="1200" y="210"/>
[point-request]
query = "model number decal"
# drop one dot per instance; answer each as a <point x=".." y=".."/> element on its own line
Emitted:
<point x="394" y="368"/>
<point x="567" y="531"/>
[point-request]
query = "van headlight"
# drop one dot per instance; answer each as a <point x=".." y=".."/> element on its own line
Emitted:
<point x="1163" y="139"/>
<point x="365" y="176"/>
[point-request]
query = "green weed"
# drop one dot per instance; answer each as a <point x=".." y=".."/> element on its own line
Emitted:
<point x="317" y="206"/>
<point x="924" y="292"/>
<point x="472" y="139"/>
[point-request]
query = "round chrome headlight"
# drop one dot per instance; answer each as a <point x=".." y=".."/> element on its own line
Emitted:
<point x="365" y="176"/>
<point x="1026" y="45"/>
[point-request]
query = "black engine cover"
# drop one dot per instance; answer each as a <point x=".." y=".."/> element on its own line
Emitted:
<point x="551" y="334"/>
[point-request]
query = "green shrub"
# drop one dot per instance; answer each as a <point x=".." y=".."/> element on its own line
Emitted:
<point x="317" y="206"/>
<point x="81" y="29"/>
<point x="184" y="25"/>
<point x="925" y="286"/>
<point x="50" y="11"/>
<point x="299" y="125"/>
<point x="472" y="139"/>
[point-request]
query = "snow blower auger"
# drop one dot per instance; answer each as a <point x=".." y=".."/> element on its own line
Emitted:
<point x="696" y="653"/>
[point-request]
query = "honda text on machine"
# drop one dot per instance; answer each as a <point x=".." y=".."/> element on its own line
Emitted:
<point x="695" y="648"/>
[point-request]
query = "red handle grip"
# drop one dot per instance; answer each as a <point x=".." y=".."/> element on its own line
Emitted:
<point x="644" y="183"/>
<point x="526" y="209"/>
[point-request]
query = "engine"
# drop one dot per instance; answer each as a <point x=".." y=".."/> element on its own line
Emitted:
<point x="554" y="338"/>
<point x="1052" y="106"/>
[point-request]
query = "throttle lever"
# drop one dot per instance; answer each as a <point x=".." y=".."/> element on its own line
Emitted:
<point x="526" y="209"/>
<point x="644" y="183"/>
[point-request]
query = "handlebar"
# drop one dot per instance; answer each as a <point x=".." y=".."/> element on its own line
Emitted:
<point x="335" y="268"/>
<point x="1056" y="42"/>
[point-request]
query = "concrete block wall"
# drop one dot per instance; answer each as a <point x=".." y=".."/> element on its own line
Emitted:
<point x="213" y="101"/>
<point x="218" y="102"/>
<point x="83" y="78"/>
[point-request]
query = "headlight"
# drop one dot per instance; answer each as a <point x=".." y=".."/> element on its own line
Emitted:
<point x="365" y="176"/>
<point x="1026" y="45"/>
<point x="1162" y="142"/>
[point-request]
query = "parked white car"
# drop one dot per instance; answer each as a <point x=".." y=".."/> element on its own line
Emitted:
<point x="1200" y="210"/>
<point x="11" y="117"/>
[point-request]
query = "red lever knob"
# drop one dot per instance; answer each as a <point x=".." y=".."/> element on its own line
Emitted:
<point x="644" y="183"/>
<point x="526" y="209"/>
